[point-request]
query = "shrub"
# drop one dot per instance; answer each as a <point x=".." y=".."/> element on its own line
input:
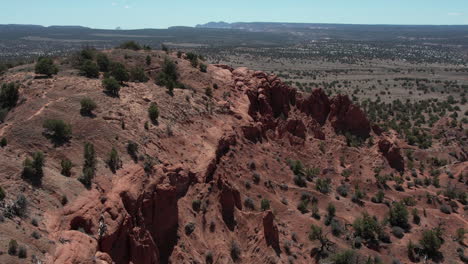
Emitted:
<point x="9" y="95"/>
<point x="189" y="228"/>
<point x="342" y="190"/>
<point x="119" y="72"/>
<point x="64" y="200"/>
<point x="265" y="204"/>
<point x="132" y="150"/>
<point x="103" y="62"/>
<point x="32" y="169"/>
<point x="323" y="185"/>
<point x="209" y="258"/>
<point x="379" y="197"/>
<point x="300" y="181"/>
<point x="114" y="161"/>
<point x="367" y="227"/>
<point x="256" y="178"/>
<point x="46" y="67"/>
<point x="20" y="206"/>
<point x="148" y="60"/>
<point x="345" y="257"/>
<point x="336" y="228"/>
<point x="67" y="165"/>
<point x="209" y="92"/>
<point x="164" y="48"/>
<point x="416" y="217"/>
<point x="89" y="166"/>
<point x="35" y="235"/>
<point x="57" y="129"/>
<point x="203" y="67"/>
<point x="196" y="205"/>
<point x="89" y="69"/>
<point x="460" y="235"/>
<point x="315" y="211"/>
<point x="111" y="85"/>
<point x="430" y="242"/>
<point x="399" y="215"/>
<point x="296" y="167"/>
<point x="398" y="232"/>
<point x="12" y="247"/>
<point x="302" y="206"/>
<point x="87" y="106"/>
<point x="131" y="45"/>
<point x="153" y="112"/>
<point x="193" y="58"/>
<point x="2" y="194"/>
<point x="137" y="74"/>
<point x="249" y="203"/>
<point x="445" y="209"/>
<point x="3" y="142"/>
<point x="168" y="75"/>
<point x="235" y="251"/>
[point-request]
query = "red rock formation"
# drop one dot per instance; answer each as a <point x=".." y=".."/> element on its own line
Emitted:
<point x="229" y="198"/>
<point x="317" y="105"/>
<point x="253" y="133"/>
<point x="347" y="117"/>
<point x="270" y="231"/>
<point x="223" y="147"/>
<point x="295" y="129"/>
<point x="393" y="154"/>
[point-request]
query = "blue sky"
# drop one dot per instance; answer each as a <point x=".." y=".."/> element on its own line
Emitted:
<point x="130" y="14"/>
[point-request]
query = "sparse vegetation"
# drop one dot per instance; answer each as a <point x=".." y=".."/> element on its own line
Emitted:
<point x="89" y="166"/>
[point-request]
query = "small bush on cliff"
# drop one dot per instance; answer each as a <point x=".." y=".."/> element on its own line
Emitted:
<point x="9" y="95"/>
<point x="67" y="165"/>
<point x="12" y="247"/>
<point x="196" y="205"/>
<point x="265" y="204"/>
<point x="131" y="45"/>
<point x="114" y="161"/>
<point x="189" y="228"/>
<point x="323" y="185"/>
<point x="431" y="242"/>
<point x="235" y="251"/>
<point x="132" y="150"/>
<point x="203" y="67"/>
<point x="22" y="252"/>
<point x="148" y="60"/>
<point x="153" y="113"/>
<point x="2" y="194"/>
<point x="46" y="67"/>
<point x="3" y="143"/>
<point x="32" y="169"/>
<point x="111" y="86"/>
<point x="399" y="215"/>
<point x="89" y="166"/>
<point x="119" y="72"/>
<point x="57" y="130"/>
<point x="103" y="62"/>
<point x="89" y="69"/>
<point x="87" y="106"/>
<point x="137" y="74"/>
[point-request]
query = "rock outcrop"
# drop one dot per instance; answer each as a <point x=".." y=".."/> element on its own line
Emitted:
<point x="347" y="117"/>
<point x="317" y="105"/>
<point x="392" y="153"/>
<point x="229" y="199"/>
<point x="270" y="231"/>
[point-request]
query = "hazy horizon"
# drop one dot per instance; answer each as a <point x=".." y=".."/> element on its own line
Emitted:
<point x="138" y="14"/>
